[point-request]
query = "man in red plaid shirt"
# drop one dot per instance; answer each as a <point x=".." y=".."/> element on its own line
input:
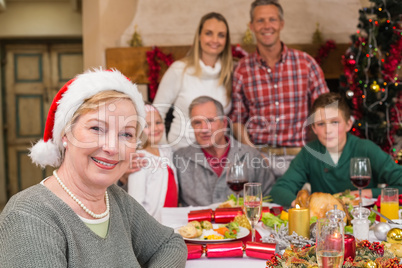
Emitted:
<point x="273" y="89"/>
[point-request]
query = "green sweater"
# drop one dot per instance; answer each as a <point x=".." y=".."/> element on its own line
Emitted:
<point x="314" y="165"/>
<point x="37" y="229"/>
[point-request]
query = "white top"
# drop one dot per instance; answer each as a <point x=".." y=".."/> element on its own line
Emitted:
<point x="181" y="89"/>
<point x="149" y="185"/>
<point x="335" y="157"/>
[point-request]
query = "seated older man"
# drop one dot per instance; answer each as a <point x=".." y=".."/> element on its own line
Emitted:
<point x="201" y="166"/>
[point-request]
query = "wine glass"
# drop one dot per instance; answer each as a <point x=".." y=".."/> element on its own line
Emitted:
<point x="360" y="173"/>
<point x="252" y="204"/>
<point x="236" y="178"/>
<point x="330" y="247"/>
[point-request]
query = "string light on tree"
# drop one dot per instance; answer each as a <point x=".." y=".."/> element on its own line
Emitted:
<point x="370" y="82"/>
<point x="349" y="94"/>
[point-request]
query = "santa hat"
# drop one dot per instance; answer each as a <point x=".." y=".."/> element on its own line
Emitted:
<point x="49" y="150"/>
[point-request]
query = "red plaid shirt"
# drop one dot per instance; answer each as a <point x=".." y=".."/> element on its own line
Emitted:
<point x="273" y="103"/>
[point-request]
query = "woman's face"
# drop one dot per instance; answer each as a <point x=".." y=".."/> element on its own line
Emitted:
<point x="100" y="143"/>
<point x="331" y="128"/>
<point x="213" y="37"/>
<point x="155" y="127"/>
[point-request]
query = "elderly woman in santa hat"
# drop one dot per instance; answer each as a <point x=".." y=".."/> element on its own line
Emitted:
<point x="78" y="217"/>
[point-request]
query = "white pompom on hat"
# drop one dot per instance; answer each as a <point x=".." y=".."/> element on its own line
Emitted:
<point x="48" y="151"/>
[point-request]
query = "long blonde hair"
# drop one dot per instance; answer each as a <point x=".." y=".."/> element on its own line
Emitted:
<point x="193" y="57"/>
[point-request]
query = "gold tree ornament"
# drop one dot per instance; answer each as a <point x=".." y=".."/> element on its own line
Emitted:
<point x="375" y="87"/>
<point x="370" y="264"/>
<point x="394" y="236"/>
<point x="399" y="155"/>
<point x="136" y="40"/>
<point x="317" y="35"/>
<point x="248" y="37"/>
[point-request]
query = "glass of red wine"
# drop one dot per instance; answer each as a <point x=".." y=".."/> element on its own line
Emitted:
<point x="236" y="178"/>
<point x="360" y="173"/>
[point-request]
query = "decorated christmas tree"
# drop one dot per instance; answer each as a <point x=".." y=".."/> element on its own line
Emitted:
<point x="371" y="66"/>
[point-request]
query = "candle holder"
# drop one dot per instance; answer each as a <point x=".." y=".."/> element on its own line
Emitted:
<point x="350" y="247"/>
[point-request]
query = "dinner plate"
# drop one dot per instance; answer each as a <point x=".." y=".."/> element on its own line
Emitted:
<point x="398" y="225"/>
<point x="368" y="202"/>
<point x="243" y="232"/>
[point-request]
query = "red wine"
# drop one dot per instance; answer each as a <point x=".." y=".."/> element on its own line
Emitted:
<point x="236" y="186"/>
<point x="360" y="181"/>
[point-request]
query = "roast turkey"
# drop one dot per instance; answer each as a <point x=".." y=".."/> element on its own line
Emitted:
<point x="320" y="203"/>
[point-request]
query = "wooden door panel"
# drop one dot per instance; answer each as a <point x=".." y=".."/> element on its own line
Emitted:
<point x="34" y="74"/>
<point x="28" y="67"/>
<point x="66" y="62"/>
<point x="21" y="170"/>
<point x="69" y="65"/>
<point x="29" y="117"/>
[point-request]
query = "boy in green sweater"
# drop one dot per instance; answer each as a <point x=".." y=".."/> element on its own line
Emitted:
<point x="324" y="163"/>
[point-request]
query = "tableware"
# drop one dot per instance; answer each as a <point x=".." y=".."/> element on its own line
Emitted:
<point x="366" y="202"/>
<point x="360" y="173"/>
<point x="396" y="224"/>
<point x="243" y="232"/>
<point x="385" y="218"/>
<point x="252" y="204"/>
<point x="330" y="243"/>
<point x="361" y="223"/>
<point x="236" y="178"/>
<point x="390" y="203"/>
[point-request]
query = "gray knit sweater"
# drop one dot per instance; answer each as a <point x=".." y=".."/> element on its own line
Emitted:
<point x="37" y="229"/>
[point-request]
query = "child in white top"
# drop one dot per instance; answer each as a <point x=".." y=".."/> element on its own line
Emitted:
<point x="155" y="185"/>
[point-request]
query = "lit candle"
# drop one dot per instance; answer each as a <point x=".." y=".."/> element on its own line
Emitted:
<point x="335" y="241"/>
<point x="299" y="221"/>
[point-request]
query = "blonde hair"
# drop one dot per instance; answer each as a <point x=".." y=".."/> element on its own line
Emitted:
<point x="193" y="57"/>
<point x="93" y="104"/>
<point x="144" y="139"/>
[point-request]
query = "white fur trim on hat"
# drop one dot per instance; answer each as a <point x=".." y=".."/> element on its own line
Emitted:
<point x="84" y="86"/>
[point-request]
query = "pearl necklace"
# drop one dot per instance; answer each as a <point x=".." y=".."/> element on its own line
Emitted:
<point x="96" y="216"/>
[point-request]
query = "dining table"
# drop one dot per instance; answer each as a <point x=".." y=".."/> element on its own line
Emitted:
<point x="177" y="217"/>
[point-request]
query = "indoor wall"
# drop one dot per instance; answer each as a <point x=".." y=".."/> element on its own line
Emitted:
<point x="110" y="23"/>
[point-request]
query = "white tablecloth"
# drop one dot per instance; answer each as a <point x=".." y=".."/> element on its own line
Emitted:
<point x="176" y="217"/>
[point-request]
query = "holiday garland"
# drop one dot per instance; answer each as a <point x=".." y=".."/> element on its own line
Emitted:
<point x="367" y="255"/>
<point x="238" y="52"/>
<point x="154" y="68"/>
<point x="324" y="51"/>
